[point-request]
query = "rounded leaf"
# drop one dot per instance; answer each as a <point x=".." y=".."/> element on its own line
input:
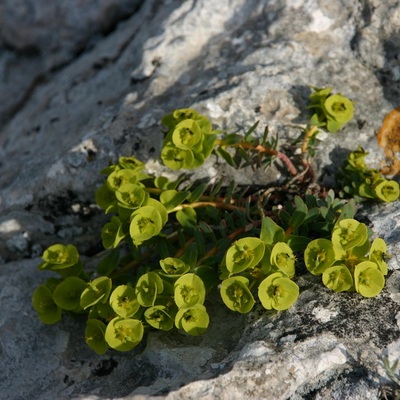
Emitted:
<point x="145" y="224"/>
<point x="319" y="255"/>
<point x="339" y="108"/>
<point x="377" y="254"/>
<point x="112" y="233"/>
<point x="44" y="305"/>
<point x="97" y="291"/>
<point x="159" y="318"/>
<point x="130" y="195"/>
<point x="61" y="256"/>
<point x="338" y="278"/>
<point x="189" y="290"/>
<point x="186" y="134"/>
<point x="244" y="254"/>
<point x="123" y="301"/>
<point x="120" y="177"/>
<point x="124" y="334"/>
<point x="148" y="287"/>
<point x="94" y="335"/>
<point x="277" y="292"/>
<point x="368" y="279"/>
<point x="67" y="294"/>
<point x="349" y="233"/>
<point x="236" y="294"/>
<point x="193" y="320"/>
<point x="176" y="158"/>
<point x="283" y="258"/>
<point x="387" y="190"/>
<point x="174" y="266"/>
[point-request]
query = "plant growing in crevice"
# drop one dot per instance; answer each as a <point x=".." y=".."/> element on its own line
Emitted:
<point x="169" y="243"/>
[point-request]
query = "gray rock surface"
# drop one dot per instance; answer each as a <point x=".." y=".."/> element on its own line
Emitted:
<point x="85" y="81"/>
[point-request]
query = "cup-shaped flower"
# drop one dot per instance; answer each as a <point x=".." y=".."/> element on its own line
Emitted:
<point x="349" y="233"/>
<point x="189" y="290"/>
<point x="176" y="158"/>
<point x="193" y="320"/>
<point x="244" y="254"/>
<point x="387" y="190"/>
<point x="368" y="279"/>
<point x="59" y="256"/>
<point x="123" y="334"/>
<point x="319" y="255"/>
<point x="123" y="301"/>
<point x="43" y="303"/>
<point x="120" y="177"/>
<point x="94" y="335"/>
<point x="97" y="291"/>
<point x="338" y="278"/>
<point x="283" y="258"/>
<point x="112" y="233"/>
<point x="147" y="288"/>
<point x="187" y="134"/>
<point x="339" y="108"/>
<point x="68" y="293"/>
<point x="131" y="163"/>
<point x="174" y="266"/>
<point x="159" y="317"/>
<point x="377" y="254"/>
<point x="146" y="223"/>
<point x="236" y="294"/>
<point x="277" y="292"/>
<point x="131" y="195"/>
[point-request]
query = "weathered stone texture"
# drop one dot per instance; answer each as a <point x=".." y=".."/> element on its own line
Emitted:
<point x="85" y="81"/>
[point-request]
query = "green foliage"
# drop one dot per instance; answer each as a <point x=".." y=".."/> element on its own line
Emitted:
<point x="361" y="182"/>
<point x="349" y="262"/>
<point x="331" y="111"/>
<point x="169" y="243"/>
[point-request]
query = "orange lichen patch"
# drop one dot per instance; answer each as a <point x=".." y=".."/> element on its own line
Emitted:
<point x="388" y="137"/>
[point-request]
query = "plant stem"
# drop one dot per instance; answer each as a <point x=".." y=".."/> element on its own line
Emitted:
<point x="309" y="133"/>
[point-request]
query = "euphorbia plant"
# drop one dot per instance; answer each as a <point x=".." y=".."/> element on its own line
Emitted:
<point x="169" y="243"/>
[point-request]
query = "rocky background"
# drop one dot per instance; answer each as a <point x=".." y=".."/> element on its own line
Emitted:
<point x="84" y="81"/>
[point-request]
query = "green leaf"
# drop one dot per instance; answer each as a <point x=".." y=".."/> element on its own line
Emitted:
<point x="277" y="292"/>
<point x="193" y="320"/>
<point x="172" y="198"/>
<point x="105" y="198"/>
<point x="377" y="254"/>
<point x="124" y="334"/>
<point x="236" y="294"/>
<point x="368" y="279"/>
<point x="271" y="232"/>
<point x="226" y="156"/>
<point x="187" y="134"/>
<point x="146" y="223"/>
<point x="158" y="317"/>
<point x="120" y="177"/>
<point x="283" y="258"/>
<point x="112" y="233"/>
<point x="94" y="336"/>
<point x="148" y="287"/>
<point x="319" y="255"/>
<point x="131" y="195"/>
<point x="124" y="302"/>
<point x="43" y="303"/>
<point x="96" y="291"/>
<point x="67" y="294"/>
<point x="189" y="290"/>
<point x="187" y="217"/>
<point x="244" y="253"/>
<point x="197" y="192"/>
<point x="349" y="233"/>
<point x="337" y="278"/>
<point x="174" y="266"/>
<point x="387" y="191"/>
<point x="60" y="256"/>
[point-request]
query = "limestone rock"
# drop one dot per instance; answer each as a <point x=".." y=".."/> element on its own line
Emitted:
<point x="84" y="82"/>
